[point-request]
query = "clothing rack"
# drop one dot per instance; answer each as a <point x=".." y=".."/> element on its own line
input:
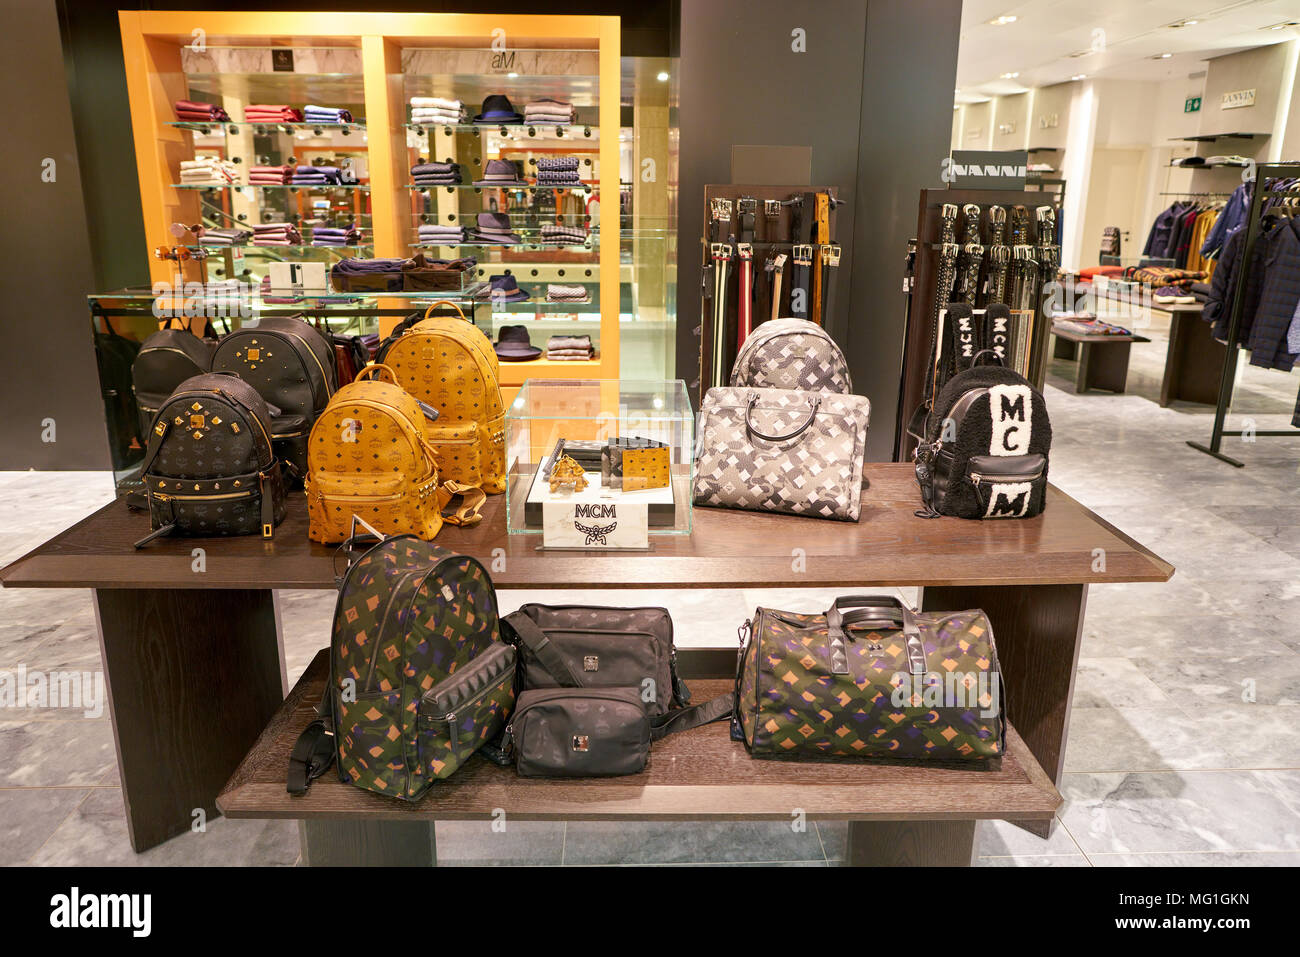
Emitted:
<point x="1259" y="194"/>
<point x="1215" y="195"/>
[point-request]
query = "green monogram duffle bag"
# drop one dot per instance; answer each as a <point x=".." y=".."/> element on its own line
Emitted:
<point x="871" y="678"/>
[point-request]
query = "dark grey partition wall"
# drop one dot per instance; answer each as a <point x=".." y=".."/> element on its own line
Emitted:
<point x="48" y="378"/>
<point x="872" y="96"/>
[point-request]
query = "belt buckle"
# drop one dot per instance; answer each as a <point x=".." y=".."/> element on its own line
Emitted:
<point x="720" y="251"/>
<point x="831" y="255"/>
<point x="802" y="254"/>
<point x="772" y="208"/>
<point x="745" y="250"/>
<point x="721" y="209"/>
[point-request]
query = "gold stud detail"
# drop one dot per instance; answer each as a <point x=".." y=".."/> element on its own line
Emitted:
<point x="237" y="483"/>
<point x="216" y="486"/>
<point x="234" y="427"/>
<point x="198" y="435"/>
<point x="216" y="420"/>
<point x="176" y="421"/>
<point x="196" y="407"/>
<point x="196" y="488"/>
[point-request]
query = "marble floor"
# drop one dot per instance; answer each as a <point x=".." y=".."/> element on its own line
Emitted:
<point x="1182" y="746"/>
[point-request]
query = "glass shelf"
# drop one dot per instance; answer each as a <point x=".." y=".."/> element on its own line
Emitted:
<point x="528" y="247"/>
<point x="561" y="131"/>
<point x="200" y="127"/>
<point x="272" y="248"/>
<point x="531" y="187"/>
<point x="294" y="186"/>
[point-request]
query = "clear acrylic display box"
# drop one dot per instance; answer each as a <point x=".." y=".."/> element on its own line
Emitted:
<point x="583" y="416"/>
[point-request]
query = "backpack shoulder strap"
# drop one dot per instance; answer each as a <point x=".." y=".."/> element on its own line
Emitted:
<point x="313" y="752"/>
<point x="683" y="719"/>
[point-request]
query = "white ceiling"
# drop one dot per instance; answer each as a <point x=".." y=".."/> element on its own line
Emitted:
<point x="1125" y="35"/>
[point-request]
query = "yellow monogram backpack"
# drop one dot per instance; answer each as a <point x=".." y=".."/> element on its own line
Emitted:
<point x="450" y="364"/>
<point x="369" y="456"/>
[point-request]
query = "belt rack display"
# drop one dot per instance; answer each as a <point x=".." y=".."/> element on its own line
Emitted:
<point x="975" y="246"/>
<point x="775" y="226"/>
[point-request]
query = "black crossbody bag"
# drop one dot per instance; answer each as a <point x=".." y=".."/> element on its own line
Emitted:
<point x="596" y="686"/>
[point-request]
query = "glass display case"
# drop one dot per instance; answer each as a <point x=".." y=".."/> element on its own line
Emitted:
<point x="600" y="442"/>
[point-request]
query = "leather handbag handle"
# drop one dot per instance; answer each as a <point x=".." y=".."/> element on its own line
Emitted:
<point x="367" y="371"/>
<point x="813" y="405"/>
<point x="872" y="608"/>
<point x="428" y="313"/>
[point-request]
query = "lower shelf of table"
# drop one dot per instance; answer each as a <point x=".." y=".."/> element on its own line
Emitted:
<point x="698" y="774"/>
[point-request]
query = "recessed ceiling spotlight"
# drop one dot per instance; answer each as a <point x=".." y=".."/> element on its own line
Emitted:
<point x="1162" y="56"/>
<point x="513" y="76"/>
<point x="1283" y="25"/>
<point x="1079" y="76"/>
<point x="1179" y="24"/>
<point x="1002" y="21"/>
<point x="1010" y="76"/>
<point x="663" y="76"/>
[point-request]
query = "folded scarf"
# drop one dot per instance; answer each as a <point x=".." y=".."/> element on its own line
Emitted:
<point x="190" y="110"/>
<point x="328" y="114"/>
<point x="419" y="168"/>
<point x="557" y="162"/>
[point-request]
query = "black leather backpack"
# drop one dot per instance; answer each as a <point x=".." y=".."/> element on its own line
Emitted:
<point x="291" y="366"/>
<point x="165" y="360"/>
<point x="986" y="446"/>
<point x="210" y="468"/>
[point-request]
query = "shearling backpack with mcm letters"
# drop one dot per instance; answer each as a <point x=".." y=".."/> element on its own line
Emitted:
<point x="987" y="442"/>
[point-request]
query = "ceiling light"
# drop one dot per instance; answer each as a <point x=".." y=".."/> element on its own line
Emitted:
<point x="1010" y="76"/>
<point x="1162" y="56"/>
<point x="1179" y="24"/>
<point x="663" y="76"/>
<point x="513" y="76"/>
<point x="1283" y="25"/>
<point x="1002" y="21"/>
<point x="1079" y="76"/>
<point x="1190" y="23"/>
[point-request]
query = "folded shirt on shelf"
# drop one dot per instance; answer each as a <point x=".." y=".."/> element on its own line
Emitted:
<point x="276" y="234"/>
<point x="325" y="114"/>
<point x="554" y="163"/>
<point x="547" y="111"/>
<point x="192" y="111"/>
<point x="335" y="236"/>
<point x="559" y="179"/>
<point x="266" y="113"/>
<point x="309" y="175"/>
<point x="224" y="237"/>
<point x="270" y="175"/>
<point x="436" y="174"/>
<point x="566" y="292"/>
<point x="435" y="103"/>
<point x="552" y="234"/>
<point x="208" y="171"/>
<point x="441" y="235"/>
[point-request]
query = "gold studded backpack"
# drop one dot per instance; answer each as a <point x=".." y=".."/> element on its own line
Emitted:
<point x="450" y="364"/>
<point x="369" y="455"/>
<point x="209" y="468"/>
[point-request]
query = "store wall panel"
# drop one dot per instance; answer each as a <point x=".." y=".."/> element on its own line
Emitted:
<point x="48" y="365"/>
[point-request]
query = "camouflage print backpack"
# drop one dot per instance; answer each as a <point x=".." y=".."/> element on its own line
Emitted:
<point x="871" y="678"/>
<point x="419" y="678"/>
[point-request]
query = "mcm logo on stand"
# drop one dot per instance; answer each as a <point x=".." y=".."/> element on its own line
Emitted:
<point x="595" y="534"/>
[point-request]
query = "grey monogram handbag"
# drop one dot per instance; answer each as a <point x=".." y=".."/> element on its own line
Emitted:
<point x="781" y="450"/>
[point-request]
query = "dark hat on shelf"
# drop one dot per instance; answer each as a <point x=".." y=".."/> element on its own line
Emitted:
<point x="500" y="172"/>
<point x="506" y="289"/>
<point x="496" y="221"/>
<point x="513" y="344"/>
<point x="497" y="108"/>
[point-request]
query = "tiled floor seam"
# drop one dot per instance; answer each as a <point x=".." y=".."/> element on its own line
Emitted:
<point x="55" y="830"/>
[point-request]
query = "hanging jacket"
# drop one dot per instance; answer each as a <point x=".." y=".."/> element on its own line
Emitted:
<point x="1158" y="238"/>
<point x="1233" y="217"/>
<point x="1279" y="291"/>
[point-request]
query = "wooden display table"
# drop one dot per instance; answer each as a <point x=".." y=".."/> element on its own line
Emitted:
<point x="1193" y="361"/>
<point x="1103" y="360"/>
<point x="899" y="814"/>
<point x="193" y="657"/>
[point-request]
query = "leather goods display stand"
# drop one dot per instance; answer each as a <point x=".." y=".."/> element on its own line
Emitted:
<point x="957" y="265"/>
<point x="761" y="242"/>
<point x="174" y="641"/>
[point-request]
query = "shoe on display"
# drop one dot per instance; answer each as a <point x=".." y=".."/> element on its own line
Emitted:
<point x="1172" y="294"/>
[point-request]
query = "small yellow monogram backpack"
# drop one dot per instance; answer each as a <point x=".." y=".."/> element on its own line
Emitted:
<point x="450" y="364"/>
<point x="369" y="456"/>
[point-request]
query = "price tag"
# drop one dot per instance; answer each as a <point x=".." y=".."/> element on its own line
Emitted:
<point x="595" y="525"/>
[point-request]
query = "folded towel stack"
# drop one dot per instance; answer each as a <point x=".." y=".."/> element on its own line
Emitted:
<point x="316" y="176"/>
<point x="270" y="175"/>
<point x="224" y="237"/>
<point x="271" y="113"/>
<point x="335" y="236"/>
<point x="208" y="171"/>
<point x="436" y="234"/>
<point x="570" y="348"/>
<point x="436" y="174"/>
<point x="548" y="112"/>
<point x="556" y="235"/>
<point x="325" y="114"/>
<point x="276" y="234"/>
<point x="566" y="292"/>
<point x="189" y="111"/>
<point x="436" y="110"/>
